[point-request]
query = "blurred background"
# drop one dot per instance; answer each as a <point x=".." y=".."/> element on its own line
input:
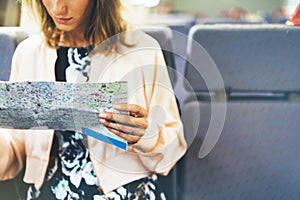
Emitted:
<point x="178" y="11"/>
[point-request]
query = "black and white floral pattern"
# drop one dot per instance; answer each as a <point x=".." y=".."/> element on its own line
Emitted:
<point x="143" y="189"/>
<point x="79" y="65"/>
<point x="73" y="177"/>
<point x="70" y="173"/>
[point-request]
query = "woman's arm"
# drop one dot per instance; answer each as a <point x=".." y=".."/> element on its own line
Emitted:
<point x="153" y="129"/>
<point x="12" y="153"/>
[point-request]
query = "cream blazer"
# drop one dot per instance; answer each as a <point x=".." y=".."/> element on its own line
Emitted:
<point x="149" y="86"/>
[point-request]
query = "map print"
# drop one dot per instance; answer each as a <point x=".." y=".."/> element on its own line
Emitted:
<point x="61" y="106"/>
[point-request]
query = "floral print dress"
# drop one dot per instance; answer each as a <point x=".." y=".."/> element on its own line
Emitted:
<point x="70" y="174"/>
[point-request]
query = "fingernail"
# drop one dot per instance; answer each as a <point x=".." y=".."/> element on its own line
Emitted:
<point x="102" y="121"/>
<point x="116" y="106"/>
<point x="103" y="115"/>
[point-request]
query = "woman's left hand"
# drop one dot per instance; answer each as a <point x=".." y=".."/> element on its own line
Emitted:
<point x="130" y="127"/>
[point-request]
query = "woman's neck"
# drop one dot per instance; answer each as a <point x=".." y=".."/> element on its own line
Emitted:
<point x="73" y="40"/>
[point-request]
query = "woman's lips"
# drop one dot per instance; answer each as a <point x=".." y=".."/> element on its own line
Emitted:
<point x="62" y="20"/>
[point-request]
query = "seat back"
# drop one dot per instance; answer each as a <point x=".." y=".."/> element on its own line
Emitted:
<point x="251" y="58"/>
<point x="163" y="35"/>
<point x="9" y="39"/>
<point x="256" y="156"/>
<point x="255" y="153"/>
<point x="7" y="47"/>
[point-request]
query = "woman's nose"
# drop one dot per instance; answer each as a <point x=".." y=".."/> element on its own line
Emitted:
<point x="59" y="7"/>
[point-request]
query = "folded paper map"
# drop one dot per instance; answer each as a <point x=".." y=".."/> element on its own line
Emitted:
<point x="61" y="106"/>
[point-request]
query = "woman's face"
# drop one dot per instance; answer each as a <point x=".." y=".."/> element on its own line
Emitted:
<point x="69" y="15"/>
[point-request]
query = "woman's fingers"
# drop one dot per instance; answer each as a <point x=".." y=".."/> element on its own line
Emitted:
<point x="129" y="130"/>
<point x="130" y="127"/>
<point x="131" y="139"/>
<point x="133" y="109"/>
<point x="124" y="119"/>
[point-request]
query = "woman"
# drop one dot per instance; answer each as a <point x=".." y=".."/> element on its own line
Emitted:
<point x="58" y="164"/>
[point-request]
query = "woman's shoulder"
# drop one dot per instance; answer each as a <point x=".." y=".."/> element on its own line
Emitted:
<point x="32" y="41"/>
<point x="32" y="45"/>
<point x="138" y="36"/>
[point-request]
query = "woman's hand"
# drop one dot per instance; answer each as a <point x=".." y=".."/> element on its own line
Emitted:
<point x="130" y="127"/>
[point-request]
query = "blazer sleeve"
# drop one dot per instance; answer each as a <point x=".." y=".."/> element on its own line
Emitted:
<point x="163" y="143"/>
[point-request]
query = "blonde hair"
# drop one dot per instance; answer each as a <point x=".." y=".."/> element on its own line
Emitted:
<point x="104" y="22"/>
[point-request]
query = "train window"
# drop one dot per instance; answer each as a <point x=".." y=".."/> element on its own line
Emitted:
<point x="9" y="13"/>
